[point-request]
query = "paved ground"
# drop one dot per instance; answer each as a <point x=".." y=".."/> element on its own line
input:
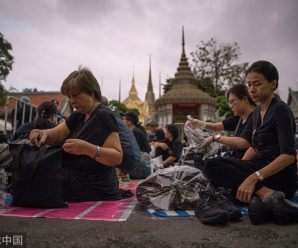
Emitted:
<point x="143" y="231"/>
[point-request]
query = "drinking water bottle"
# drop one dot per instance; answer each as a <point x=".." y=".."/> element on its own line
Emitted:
<point x="2" y="199"/>
<point x="8" y="199"/>
<point x="5" y="197"/>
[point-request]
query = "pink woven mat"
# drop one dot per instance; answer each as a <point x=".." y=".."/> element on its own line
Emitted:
<point x="101" y="210"/>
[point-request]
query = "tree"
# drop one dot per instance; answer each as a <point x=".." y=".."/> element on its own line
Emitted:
<point x="222" y="106"/>
<point x="215" y="62"/>
<point x="168" y="85"/>
<point x="3" y="93"/>
<point x="30" y="90"/>
<point x="206" y="85"/>
<point x="118" y="107"/>
<point x="6" y="59"/>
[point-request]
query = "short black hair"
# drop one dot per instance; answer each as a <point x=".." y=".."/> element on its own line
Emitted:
<point x="266" y="68"/>
<point x="240" y="91"/>
<point x="47" y="109"/>
<point x="132" y="116"/>
<point x="173" y="130"/>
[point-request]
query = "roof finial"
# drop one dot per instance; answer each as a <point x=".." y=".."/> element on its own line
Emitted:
<point x="119" y="97"/>
<point x="183" y="42"/>
<point x="150" y="86"/>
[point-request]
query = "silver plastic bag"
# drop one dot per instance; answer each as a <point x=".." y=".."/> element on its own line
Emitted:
<point x="173" y="188"/>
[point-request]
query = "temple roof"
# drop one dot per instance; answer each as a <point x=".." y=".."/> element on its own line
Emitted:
<point x="150" y="96"/>
<point x="184" y="89"/>
<point x="133" y="94"/>
<point x="292" y="97"/>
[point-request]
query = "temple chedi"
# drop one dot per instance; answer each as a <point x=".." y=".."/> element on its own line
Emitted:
<point x="149" y="104"/>
<point x="147" y="108"/>
<point x="133" y="101"/>
<point x="184" y="98"/>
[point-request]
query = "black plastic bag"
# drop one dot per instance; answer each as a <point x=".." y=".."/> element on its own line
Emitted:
<point x="173" y="188"/>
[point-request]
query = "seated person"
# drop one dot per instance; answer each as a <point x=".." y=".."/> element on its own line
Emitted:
<point x="144" y="168"/>
<point x="156" y="134"/>
<point x="242" y="106"/>
<point x="132" y="121"/>
<point x="266" y="175"/>
<point x="46" y="118"/>
<point x="90" y="139"/>
<point x="171" y="147"/>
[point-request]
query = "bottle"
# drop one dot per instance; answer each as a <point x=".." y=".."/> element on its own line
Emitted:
<point x="8" y="199"/>
<point x="5" y="197"/>
<point x="3" y="179"/>
<point x="2" y="199"/>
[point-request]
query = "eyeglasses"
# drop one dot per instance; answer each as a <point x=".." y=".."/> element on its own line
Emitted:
<point x="232" y="101"/>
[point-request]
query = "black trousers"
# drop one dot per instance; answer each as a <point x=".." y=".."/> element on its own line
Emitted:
<point x="230" y="173"/>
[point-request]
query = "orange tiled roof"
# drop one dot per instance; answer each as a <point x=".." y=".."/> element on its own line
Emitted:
<point x="36" y="98"/>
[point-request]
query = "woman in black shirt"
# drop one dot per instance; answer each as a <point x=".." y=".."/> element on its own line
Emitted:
<point x="241" y="105"/>
<point x="90" y="140"/>
<point x="268" y="170"/>
<point x="171" y="147"/>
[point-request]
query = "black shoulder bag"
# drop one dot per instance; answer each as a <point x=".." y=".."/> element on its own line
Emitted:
<point x="229" y="152"/>
<point x="37" y="176"/>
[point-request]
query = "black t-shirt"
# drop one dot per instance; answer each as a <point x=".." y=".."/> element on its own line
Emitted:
<point x="276" y="135"/>
<point x="142" y="140"/>
<point x="24" y="130"/>
<point x="86" y="179"/>
<point x="160" y="135"/>
<point x="230" y="124"/>
<point x="174" y="149"/>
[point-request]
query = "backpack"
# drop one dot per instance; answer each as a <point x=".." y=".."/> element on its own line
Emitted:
<point x="144" y="168"/>
<point x="130" y="147"/>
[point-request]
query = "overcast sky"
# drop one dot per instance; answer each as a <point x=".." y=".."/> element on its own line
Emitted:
<point x="51" y="38"/>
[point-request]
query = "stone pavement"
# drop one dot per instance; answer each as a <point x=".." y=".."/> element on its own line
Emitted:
<point x="143" y="231"/>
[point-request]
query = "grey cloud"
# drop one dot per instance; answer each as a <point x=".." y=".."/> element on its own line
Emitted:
<point x="110" y="36"/>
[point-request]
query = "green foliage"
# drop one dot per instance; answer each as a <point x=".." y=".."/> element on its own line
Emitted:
<point x="3" y="94"/>
<point x="222" y="106"/>
<point x="135" y="111"/>
<point x="168" y="85"/>
<point x="206" y="85"/>
<point x="215" y="62"/>
<point x="6" y="59"/>
<point x="118" y="107"/>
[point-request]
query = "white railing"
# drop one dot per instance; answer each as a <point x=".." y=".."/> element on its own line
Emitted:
<point x="25" y="105"/>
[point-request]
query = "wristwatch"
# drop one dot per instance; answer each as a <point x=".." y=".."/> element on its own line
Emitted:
<point x="216" y="137"/>
<point x="259" y="175"/>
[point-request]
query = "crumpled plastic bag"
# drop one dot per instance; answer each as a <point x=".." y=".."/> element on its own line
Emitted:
<point x="196" y="138"/>
<point x="157" y="163"/>
<point x="173" y="188"/>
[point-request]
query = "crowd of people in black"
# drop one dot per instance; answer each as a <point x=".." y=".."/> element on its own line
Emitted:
<point x="260" y="170"/>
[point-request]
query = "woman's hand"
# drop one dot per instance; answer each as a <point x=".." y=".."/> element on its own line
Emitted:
<point x="246" y="189"/>
<point x="163" y="146"/>
<point x="194" y="123"/>
<point x="207" y="141"/>
<point x="38" y="137"/>
<point x="76" y="146"/>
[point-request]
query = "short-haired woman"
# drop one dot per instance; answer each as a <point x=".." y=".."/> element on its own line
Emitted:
<point x="90" y="139"/>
